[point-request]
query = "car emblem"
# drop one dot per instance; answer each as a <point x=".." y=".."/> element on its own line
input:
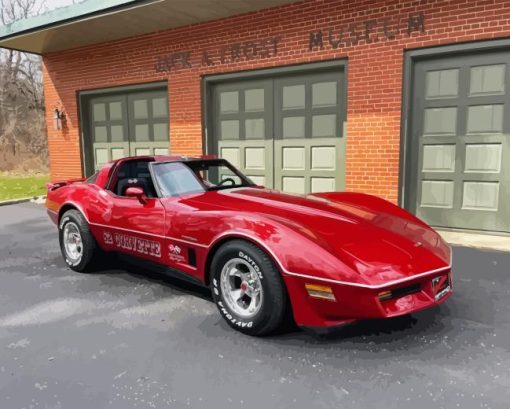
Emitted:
<point x="175" y="249"/>
<point x="440" y="286"/>
<point x="418" y="244"/>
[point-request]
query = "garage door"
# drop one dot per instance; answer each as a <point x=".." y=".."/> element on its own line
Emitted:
<point x="284" y="132"/>
<point x="460" y="132"/>
<point x="132" y="124"/>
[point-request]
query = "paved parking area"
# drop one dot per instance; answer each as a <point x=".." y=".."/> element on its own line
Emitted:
<point x="122" y="339"/>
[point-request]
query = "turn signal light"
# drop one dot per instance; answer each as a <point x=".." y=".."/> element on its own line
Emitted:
<point x="385" y="295"/>
<point x="320" y="291"/>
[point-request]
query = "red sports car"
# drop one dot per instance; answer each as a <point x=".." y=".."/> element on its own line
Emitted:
<point x="324" y="259"/>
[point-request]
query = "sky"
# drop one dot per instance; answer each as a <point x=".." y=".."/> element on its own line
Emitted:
<point x="53" y="4"/>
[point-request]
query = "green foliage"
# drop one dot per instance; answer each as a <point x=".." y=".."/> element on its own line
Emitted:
<point x="15" y="187"/>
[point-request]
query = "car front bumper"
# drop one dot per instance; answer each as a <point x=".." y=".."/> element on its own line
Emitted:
<point x="346" y="303"/>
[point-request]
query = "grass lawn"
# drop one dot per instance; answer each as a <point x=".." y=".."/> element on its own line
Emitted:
<point x="15" y="187"/>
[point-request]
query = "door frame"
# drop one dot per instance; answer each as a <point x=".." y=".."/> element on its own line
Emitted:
<point x="208" y="82"/>
<point x="83" y="97"/>
<point x="408" y="171"/>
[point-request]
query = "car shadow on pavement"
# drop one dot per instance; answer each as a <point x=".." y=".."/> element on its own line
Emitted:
<point x="392" y="334"/>
<point x="377" y="330"/>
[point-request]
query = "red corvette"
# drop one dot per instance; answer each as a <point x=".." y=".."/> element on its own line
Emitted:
<point x="324" y="259"/>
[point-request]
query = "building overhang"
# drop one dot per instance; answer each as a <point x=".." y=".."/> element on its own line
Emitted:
<point x="99" y="21"/>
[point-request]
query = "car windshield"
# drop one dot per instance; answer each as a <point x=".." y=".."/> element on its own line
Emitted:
<point x="180" y="178"/>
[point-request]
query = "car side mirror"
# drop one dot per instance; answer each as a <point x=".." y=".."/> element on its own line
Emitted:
<point x="136" y="192"/>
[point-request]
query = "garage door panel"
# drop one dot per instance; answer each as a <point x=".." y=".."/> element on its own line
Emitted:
<point x="323" y="185"/>
<point x="232" y="154"/>
<point x="293" y="158"/>
<point x="460" y="127"/>
<point x="483" y="158"/>
<point x="310" y="158"/>
<point x="255" y="128"/>
<point x="294" y="184"/>
<point x="102" y="156"/>
<point x="118" y="153"/>
<point x="437" y="193"/>
<point x="108" y="129"/>
<point x="229" y="102"/>
<point x="324" y="125"/>
<point x="285" y="131"/>
<point x="161" y="151"/>
<point x="439" y="158"/>
<point x="487" y="79"/>
<point x="485" y="118"/>
<point x="254" y="100"/>
<point x="127" y="125"/>
<point x="294" y="126"/>
<point x="106" y="152"/>
<point x="442" y="83"/>
<point x="324" y="94"/>
<point x="324" y="158"/>
<point x="258" y="180"/>
<point x="255" y="158"/>
<point x="440" y="121"/>
<point x="481" y="196"/>
<point x="294" y="97"/>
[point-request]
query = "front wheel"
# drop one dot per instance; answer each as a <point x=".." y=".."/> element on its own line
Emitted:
<point x="248" y="289"/>
<point x="77" y="244"/>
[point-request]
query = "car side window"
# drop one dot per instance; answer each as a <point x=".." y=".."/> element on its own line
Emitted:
<point x="133" y="173"/>
<point x="176" y="179"/>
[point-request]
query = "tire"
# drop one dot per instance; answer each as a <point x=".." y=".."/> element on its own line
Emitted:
<point x="73" y="225"/>
<point x="263" y="307"/>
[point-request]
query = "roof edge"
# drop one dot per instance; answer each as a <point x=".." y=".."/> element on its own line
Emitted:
<point x="65" y="15"/>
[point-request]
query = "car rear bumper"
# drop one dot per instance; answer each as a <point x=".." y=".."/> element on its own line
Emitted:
<point x="342" y="303"/>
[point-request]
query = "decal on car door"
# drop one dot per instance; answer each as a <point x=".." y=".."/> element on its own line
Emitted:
<point x="133" y="244"/>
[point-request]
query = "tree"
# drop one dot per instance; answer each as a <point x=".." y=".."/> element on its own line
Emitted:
<point x="22" y="129"/>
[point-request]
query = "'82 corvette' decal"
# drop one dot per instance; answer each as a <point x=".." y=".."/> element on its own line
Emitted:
<point x="134" y="244"/>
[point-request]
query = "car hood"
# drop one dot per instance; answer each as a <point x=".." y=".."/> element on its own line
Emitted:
<point x="365" y="235"/>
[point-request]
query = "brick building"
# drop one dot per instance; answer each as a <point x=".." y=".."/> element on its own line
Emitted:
<point x="408" y="100"/>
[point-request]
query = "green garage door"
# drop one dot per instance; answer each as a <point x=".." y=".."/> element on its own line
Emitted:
<point x="460" y="133"/>
<point x="133" y="124"/>
<point x="284" y="132"/>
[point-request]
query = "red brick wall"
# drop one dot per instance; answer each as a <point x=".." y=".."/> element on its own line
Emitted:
<point x="374" y="71"/>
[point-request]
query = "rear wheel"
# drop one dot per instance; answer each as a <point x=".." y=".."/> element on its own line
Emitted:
<point x="248" y="288"/>
<point x="77" y="244"/>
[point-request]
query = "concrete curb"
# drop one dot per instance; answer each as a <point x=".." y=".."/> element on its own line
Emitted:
<point x="35" y="199"/>
<point x="477" y="241"/>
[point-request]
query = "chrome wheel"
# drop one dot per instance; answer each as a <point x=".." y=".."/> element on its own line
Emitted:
<point x="73" y="243"/>
<point x="241" y="288"/>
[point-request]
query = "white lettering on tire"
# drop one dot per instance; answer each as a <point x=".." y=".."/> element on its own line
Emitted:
<point x="63" y="222"/>
<point x="252" y="262"/>
<point x="233" y="320"/>
<point x="61" y="226"/>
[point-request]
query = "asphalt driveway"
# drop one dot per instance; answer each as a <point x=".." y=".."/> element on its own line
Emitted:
<point x="121" y="339"/>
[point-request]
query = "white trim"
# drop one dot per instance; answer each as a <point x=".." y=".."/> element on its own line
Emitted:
<point x="373" y="287"/>
<point x="277" y="260"/>
<point x="328" y="280"/>
<point x="148" y="234"/>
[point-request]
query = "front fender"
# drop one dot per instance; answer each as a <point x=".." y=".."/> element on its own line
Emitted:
<point x="293" y="251"/>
